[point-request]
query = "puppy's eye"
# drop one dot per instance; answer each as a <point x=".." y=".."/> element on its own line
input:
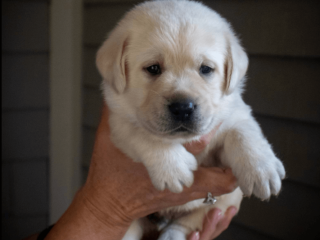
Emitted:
<point x="154" y="69"/>
<point x="205" y="70"/>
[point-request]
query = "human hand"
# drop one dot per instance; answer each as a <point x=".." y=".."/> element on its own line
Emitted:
<point x="119" y="187"/>
<point x="118" y="191"/>
<point x="214" y="224"/>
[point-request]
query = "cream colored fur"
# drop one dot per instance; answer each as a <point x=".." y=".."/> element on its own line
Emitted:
<point x="181" y="36"/>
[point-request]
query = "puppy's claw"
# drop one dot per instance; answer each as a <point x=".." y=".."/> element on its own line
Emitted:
<point x="275" y="185"/>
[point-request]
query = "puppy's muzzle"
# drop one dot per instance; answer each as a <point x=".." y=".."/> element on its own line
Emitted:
<point x="182" y="110"/>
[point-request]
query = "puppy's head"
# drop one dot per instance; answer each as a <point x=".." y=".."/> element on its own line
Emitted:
<point x="172" y="67"/>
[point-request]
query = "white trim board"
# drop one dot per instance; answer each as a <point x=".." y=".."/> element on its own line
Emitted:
<point x="65" y="104"/>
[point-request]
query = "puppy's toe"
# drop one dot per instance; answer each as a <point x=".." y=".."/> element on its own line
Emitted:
<point x="188" y="180"/>
<point x="280" y="169"/>
<point x="175" y="187"/>
<point x="262" y="190"/>
<point x="247" y="190"/>
<point x="190" y="161"/>
<point x="179" y="180"/>
<point x="275" y="185"/>
<point x="159" y="185"/>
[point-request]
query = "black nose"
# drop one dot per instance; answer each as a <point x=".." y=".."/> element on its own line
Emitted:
<point x="182" y="110"/>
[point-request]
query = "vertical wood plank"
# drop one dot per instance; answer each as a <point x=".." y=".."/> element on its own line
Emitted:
<point x="65" y="117"/>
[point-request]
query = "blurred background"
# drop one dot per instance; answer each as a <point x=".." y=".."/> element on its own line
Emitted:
<point x="282" y="39"/>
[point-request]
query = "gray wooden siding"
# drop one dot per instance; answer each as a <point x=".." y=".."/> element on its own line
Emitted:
<point x="281" y="38"/>
<point x="25" y="117"/>
<point x="283" y="27"/>
<point x="284" y="87"/>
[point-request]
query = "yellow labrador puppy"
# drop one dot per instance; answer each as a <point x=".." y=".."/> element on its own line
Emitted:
<point x="172" y="71"/>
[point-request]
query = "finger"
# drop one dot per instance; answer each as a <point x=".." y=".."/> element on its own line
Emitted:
<point x="214" y="180"/>
<point x="210" y="223"/>
<point x="225" y="221"/>
<point x="196" y="147"/>
<point x="194" y="236"/>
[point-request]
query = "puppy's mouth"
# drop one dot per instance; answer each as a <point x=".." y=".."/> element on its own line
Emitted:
<point x="178" y="130"/>
<point x="182" y="129"/>
<point x="172" y="131"/>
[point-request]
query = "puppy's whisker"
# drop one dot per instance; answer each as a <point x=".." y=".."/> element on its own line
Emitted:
<point x="155" y="92"/>
<point x="159" y="95"/>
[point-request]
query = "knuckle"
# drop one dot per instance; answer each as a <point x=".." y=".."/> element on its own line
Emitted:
<point x="231" y="186"/>
<point x="224" y="226"/>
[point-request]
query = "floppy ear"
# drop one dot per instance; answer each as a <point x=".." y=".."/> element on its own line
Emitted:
<point x="236" y="64"/>
<point x="111" y="61"/>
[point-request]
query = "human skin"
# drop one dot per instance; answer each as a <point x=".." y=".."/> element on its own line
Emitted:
<point x="214" y="224"/>
<point x="118" y="191"/>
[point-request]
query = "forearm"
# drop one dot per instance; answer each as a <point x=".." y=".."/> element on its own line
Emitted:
<point x="81" y="221"/>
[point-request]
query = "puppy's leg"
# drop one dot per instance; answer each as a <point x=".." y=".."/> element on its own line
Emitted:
<point x="169" y="164"/>
<point x="174" y="232"/>
<point x="182" y="227"/>
<point x="252" y="160"/>
<point x="134" y="232"/>
<point x="228" y="200"/>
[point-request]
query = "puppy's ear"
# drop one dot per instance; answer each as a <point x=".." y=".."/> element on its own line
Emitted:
<point x="111" y="61"/>
<point x="236" y="64"/>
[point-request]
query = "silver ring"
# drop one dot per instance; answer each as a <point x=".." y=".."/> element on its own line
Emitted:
<point x="210" y="199"/>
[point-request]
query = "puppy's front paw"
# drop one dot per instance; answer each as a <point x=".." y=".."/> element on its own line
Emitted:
<point x="173" y="172"/>
<point x="262" y="176"/>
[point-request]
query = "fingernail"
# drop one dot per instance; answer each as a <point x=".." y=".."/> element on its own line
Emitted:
<point x="233" y="211"/>
<point x="219" y="215"/>
<point x="195" y="236"/>
<point x="213" y="212"/>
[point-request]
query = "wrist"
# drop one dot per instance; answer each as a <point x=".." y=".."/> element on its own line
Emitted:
<point x="84" y="220"/>
<point x="105" y="209"/>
